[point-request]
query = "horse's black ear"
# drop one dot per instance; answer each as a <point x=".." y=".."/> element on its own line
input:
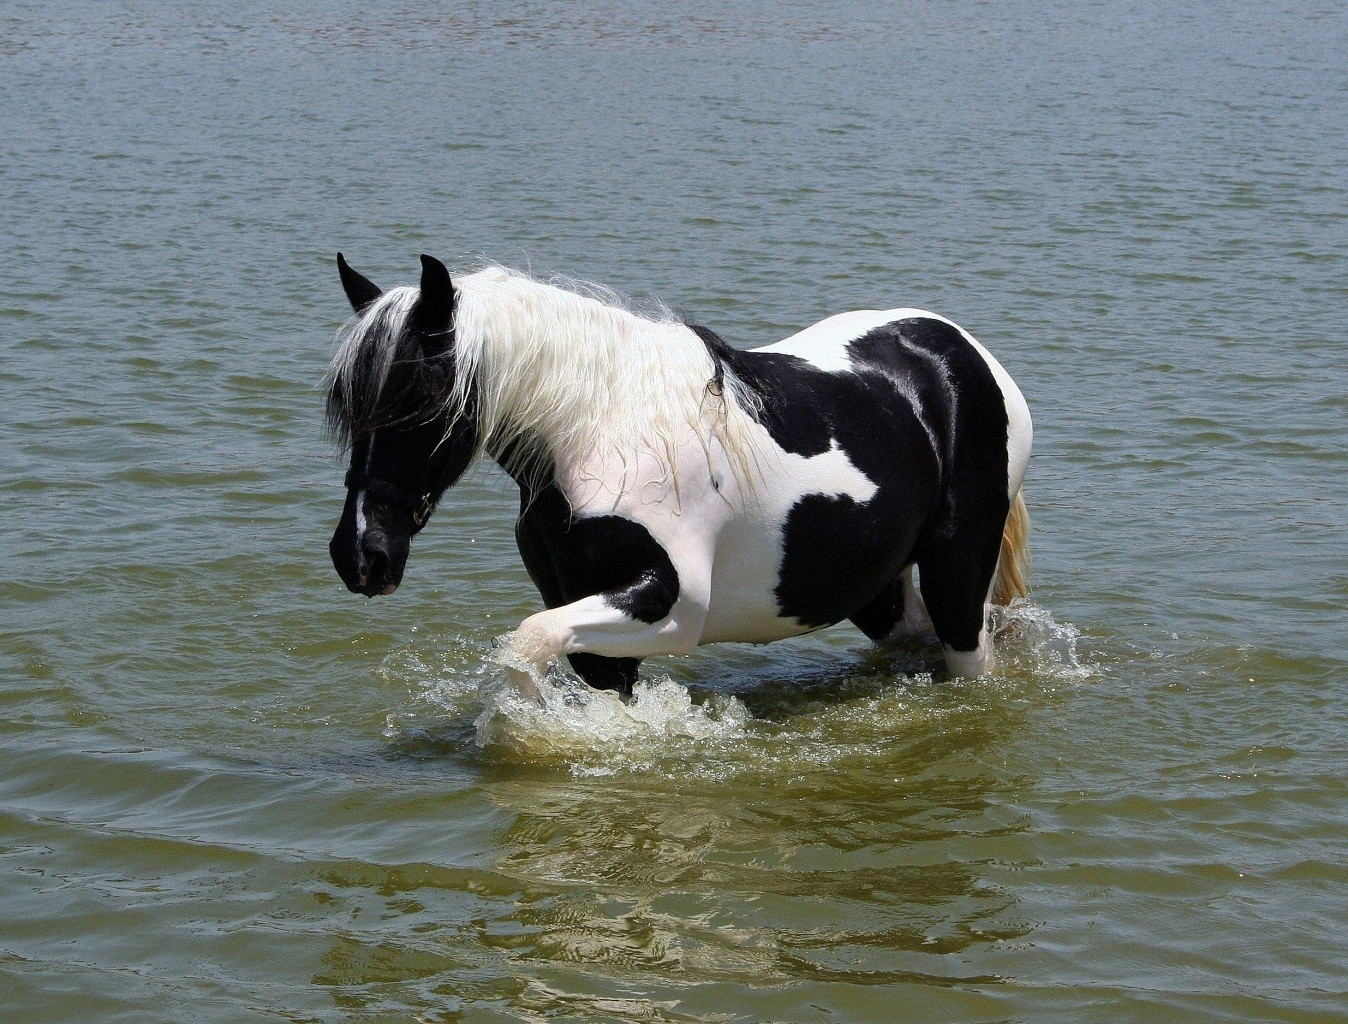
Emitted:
<point x="359" y="290"/>
<point x="435" y="307"/>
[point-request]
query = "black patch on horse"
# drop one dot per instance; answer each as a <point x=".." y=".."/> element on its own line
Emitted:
<point x="957" y="553"/>
<point x="570" y="558"/>
<point x="785" y="385"/>
<point x="922" y="417"/>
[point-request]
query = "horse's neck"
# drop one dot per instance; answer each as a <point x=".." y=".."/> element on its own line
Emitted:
<point x="590" y="378"/>
<point x="521" y="458"/>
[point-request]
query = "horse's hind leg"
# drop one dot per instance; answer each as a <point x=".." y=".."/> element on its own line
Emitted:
<point x="896" y="613"/>
<point x="956" y="575"/>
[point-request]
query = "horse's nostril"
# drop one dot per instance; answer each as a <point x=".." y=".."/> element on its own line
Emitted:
<point x="376" y="567"/>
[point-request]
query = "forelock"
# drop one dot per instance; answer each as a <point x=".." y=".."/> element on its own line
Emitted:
<point x="369" y="351"/>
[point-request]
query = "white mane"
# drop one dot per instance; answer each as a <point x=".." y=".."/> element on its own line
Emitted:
<point x="556" y="376"/>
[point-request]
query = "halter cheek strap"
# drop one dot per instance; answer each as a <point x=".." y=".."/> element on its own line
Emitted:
<point x="420" y="505"/>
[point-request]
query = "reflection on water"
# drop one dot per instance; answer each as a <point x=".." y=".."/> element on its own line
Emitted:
<point x="834" y="827"/>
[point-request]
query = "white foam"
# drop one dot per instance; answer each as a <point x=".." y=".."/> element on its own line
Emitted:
<point x="1030" y="642"/>
<point x="815" y="708"/>
<point x="566" y="718"/>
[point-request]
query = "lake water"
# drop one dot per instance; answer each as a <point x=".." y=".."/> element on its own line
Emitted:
<point x="232" y="791"/>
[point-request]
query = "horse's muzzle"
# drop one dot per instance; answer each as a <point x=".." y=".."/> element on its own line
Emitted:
<point x="379" y="570"/>
<point x="372" y="567"/>
<point x="372" y="586"/>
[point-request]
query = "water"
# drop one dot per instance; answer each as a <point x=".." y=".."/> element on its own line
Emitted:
<point x="233" y="791"/>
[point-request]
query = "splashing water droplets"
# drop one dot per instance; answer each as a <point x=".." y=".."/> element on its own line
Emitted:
<point x="1031" y="642"/>
<point x="563" y="718"/>
<point x="775" y="713"/>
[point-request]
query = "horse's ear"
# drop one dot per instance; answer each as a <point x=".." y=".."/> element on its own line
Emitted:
<point x="359" y="290"/>
<point x="435" y="307"/>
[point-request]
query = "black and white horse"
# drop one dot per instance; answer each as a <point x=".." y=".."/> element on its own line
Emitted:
<point x="675" y="491"/>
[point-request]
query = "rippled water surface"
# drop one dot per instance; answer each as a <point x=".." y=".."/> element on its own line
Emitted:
<point x="232" y="791"/>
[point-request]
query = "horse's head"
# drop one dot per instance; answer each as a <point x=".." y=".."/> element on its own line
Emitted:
<point x="392" y="402"/>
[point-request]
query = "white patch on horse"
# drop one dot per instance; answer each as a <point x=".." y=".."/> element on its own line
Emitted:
<point x="824" y="345"/>
<point x="360" y="517"/>
<point x="750" y="548"/>
<point x="361" y="522"/>
<point x="971" y="664"/>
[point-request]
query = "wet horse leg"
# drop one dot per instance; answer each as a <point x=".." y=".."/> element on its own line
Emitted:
<point x="896" y="613"/>
<point x="606" y="673"/>
<point x="607" y="634"/>
<point x="956" y="575"/>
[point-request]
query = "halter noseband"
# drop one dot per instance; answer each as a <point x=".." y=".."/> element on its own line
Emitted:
<point x="421" y="506"/>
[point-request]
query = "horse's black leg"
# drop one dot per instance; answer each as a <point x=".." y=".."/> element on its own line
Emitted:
<point x="605" y="673"/>
<point x="955" y="575"/>
<point x="877" y="619"/>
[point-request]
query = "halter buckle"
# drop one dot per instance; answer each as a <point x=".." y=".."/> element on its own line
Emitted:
<point x="423" y="511"/>
<point x="420" y="507"/>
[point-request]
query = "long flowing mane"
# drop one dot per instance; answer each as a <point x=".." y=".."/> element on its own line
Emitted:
<point x="553" y="375"/>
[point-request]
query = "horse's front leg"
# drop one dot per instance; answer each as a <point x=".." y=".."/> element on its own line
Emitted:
<point x="657" y="613"/>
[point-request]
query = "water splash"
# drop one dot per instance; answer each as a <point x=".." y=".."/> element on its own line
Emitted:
<point x="785" y="706"/>
<point x="1030" y="642"/>
<point x="560" y="717"/>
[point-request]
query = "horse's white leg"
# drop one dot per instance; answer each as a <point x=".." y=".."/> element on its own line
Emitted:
<point x="601" y="625"/>
<point x="973" y="663"/>
<point x="594" y="626"/>
<point x="915" y="621"/>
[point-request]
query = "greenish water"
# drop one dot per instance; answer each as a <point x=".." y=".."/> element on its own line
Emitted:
<point x="232" y="791"/>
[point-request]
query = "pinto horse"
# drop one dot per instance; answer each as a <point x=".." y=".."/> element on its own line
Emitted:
<point x="676" y="491"/>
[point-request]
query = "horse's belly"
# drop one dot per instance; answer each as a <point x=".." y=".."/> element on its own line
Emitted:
<point x="752" y="601"/>
<point x="744" y="606"/>
<point x="748" y="603"/>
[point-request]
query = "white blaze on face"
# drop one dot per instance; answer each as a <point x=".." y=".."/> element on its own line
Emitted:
<point x="360" y="508"/>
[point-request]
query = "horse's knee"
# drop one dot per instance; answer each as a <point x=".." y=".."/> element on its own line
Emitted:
<point x="681" y="635"/>
<point x="539" y="640"/>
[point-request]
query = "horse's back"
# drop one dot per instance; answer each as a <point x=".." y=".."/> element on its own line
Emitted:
<point x="825" y="344"/>
<point x="907" y="345"/>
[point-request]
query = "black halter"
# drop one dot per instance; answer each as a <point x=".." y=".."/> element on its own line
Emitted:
<point x="421" y="506"/>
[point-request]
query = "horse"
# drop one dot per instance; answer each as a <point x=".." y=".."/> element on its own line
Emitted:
<point x="676" y="491"/>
